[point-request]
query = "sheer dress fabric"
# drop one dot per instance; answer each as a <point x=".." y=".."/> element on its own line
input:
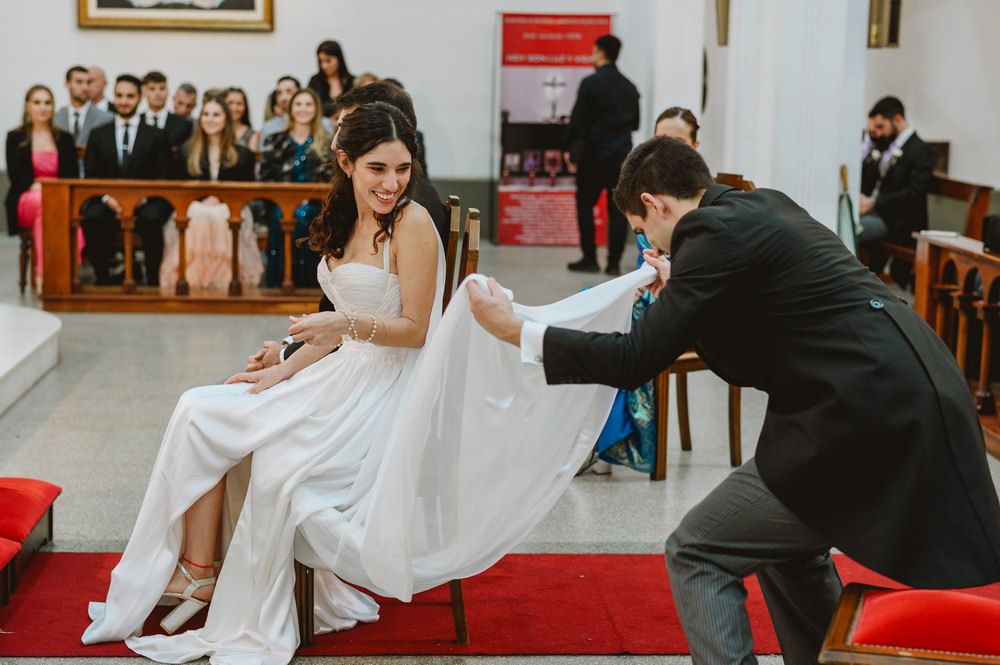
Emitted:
<point x="393" y="469"/>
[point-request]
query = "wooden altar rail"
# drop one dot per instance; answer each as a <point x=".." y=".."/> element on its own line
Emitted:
<point x="62" y="289"/>
<point x="948" y="296"/>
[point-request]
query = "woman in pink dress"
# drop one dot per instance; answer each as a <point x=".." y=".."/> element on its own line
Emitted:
<point x="36" y="149"/>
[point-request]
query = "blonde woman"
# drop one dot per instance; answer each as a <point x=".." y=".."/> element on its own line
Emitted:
<point x="212" y="153"/>
<point x="300" y="153"/>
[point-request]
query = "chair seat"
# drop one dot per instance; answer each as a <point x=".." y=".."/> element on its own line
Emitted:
<point x="875" y="625"/>
<point x="23" y="503"/>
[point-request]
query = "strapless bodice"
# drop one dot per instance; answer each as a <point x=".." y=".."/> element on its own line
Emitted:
<point x="361" y="288"/>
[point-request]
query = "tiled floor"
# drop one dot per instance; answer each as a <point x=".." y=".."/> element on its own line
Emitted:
<point x="93" y="425"/>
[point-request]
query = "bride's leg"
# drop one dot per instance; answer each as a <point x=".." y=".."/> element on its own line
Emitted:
<point x="201" y="530"/>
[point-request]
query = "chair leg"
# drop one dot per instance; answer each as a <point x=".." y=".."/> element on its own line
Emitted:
<point x="24" y="261"/>
<point x="304" y="602"/>
<point x="458" y="611"/>
<point x="683" y="419"/>
<point x="661" y="389"/>
<point x="735" y="440"/>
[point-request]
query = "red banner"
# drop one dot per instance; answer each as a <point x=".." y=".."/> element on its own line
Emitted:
<point x="546" y="40"/>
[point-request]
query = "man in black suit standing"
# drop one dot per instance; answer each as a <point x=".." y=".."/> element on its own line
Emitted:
<point x="896" y="172"/>
<point x="178" y="129"/>
<point x="126" y="148"/>
<point x="598" y="138"/>
<point x="871" y="442"/>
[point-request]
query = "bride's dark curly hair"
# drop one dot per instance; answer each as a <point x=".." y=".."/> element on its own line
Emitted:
<point x="369" y="126"/>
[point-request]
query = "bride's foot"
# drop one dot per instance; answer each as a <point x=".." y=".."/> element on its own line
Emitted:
<point x="190" y="590"/>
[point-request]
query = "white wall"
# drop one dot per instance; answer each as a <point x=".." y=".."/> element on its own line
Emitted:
<point x="444" y="51"/>
<point x="944" y="71"/>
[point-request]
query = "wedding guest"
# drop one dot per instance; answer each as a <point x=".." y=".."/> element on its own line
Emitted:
<point x="36" y="149"/>
<point x="213" y="153"/>
<point x="283" y="91"/>
<point x="364" y="79"/>
<point x="185" y="97"/>
<point x="333" y="78"/>
<point x="239" y="110"/>
<point x="126" y="148"/>
<point x="80" y="117"/>
<point x="299" y="153"/>
<point x="98" y="84"/>
<point x="156" y="113"/>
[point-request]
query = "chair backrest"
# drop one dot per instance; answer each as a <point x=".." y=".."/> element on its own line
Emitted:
<point x="453" y="210"/>
<point x="957" y="206"/>
<point x="734" y="180"/>
<point x="470" y="245"/>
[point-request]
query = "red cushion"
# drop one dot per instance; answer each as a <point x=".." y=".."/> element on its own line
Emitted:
<point x="8" y="550"/>
<point x="23" y="501"/>
<point x="949" y="621"/>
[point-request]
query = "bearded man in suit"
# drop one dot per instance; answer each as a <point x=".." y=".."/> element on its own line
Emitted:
<point x="896" y="173"/>
<point x="126" y="148"/>
<point x="870" y="443"/>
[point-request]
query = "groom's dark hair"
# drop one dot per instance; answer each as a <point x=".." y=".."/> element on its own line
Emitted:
<point x="661" y="165"/>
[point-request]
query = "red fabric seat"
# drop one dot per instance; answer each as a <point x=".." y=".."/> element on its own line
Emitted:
<point x="23" y="502"/>
<point x="8" y="550"/>
<point x="940" y="621"/>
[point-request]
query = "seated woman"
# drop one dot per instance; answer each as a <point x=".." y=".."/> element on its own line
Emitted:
<point x="212" y="154"/>
<point x="300" y="153"/>
<point x="629" y="436"/>
<point x="239" y="110"/>
<point x="338" y="459"/>
<point x="37" y="149"/>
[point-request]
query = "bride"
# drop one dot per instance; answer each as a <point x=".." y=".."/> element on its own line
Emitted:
<point x="390" y="464"/>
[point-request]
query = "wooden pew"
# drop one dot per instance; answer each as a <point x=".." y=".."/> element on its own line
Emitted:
<point x="974" y="198"/>
<point x="62" y="289"/>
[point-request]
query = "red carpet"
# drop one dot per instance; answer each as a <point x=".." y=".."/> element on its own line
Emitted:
<point x="527" y="604"/>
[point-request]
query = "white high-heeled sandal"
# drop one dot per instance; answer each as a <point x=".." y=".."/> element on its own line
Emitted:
<point x="186" y="604"/>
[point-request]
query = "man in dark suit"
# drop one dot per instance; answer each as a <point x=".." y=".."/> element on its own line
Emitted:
<point x="598" y="138"/>
<point x="177" y="128"/>
<point x="126" y="148"/>
<point x="870" y="443"/>
<point x="896" y="172"/>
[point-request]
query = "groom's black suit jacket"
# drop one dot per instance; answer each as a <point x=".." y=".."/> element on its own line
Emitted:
<point x="870" y="435"/>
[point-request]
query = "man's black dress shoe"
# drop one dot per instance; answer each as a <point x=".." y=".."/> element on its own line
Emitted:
<point x="612" y="269"/>
<point x="584" y="265"/>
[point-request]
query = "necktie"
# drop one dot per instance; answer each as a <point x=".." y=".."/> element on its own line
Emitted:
<point x="76" y="127"/>
<point x="124" y="147"/>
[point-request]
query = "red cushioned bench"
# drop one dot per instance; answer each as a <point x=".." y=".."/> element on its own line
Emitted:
<point x="26" y="518"/>
<point x="8" y="550"/>
<point x="878" y="626"/>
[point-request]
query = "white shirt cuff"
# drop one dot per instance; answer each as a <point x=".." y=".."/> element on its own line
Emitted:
<point x="285" y="342"/>
<point x="532" y="340"/>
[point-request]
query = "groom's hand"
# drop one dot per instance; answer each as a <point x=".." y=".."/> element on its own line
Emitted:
<point x="494" y="311"/>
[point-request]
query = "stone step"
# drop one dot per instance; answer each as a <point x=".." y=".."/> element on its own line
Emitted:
<point x="29" y="347"/>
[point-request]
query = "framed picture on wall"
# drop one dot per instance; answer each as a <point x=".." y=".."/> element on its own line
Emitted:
<point x="178" y="14"/>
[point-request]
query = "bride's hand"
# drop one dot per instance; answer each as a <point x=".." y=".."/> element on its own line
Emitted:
<point x="321" y="329"/>
<point x="262" y="379"/>
<point x="662" y="265"/>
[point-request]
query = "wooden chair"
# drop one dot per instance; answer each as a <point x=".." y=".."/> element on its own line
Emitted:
<point x="304" y="575"/>
<point x="26" y="261"/>
<point x="691" y="362"/>
<point x="976" y="201"/>
<point x="874" y="626"/>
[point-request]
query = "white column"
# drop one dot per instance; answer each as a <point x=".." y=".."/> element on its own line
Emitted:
<point x="793" y="108"/>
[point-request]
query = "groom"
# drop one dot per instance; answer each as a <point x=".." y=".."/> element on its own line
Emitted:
<point x="870" y="442"/>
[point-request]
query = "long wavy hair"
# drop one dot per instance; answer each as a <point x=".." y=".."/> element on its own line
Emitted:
<point x="27" y="127"/>
<point x="362" y="131"/>
<point x="196" y="147"/>
<point x="319" y="135"/>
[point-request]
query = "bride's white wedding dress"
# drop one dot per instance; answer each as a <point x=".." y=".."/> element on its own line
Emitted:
<point x="395" y="469"/>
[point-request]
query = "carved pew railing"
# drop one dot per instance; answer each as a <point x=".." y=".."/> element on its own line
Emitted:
<point x="62" y="288"/>
<point x="956" y="281"/>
